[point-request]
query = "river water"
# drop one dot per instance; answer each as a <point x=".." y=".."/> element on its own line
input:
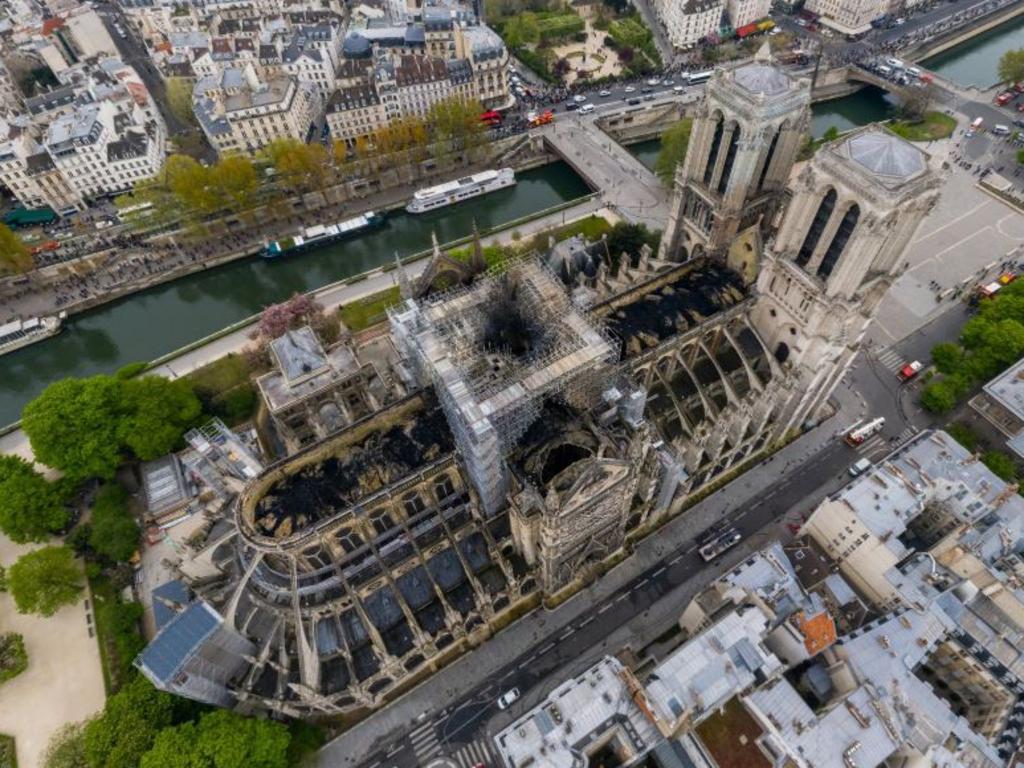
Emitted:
<point x="147" y="325"/>
<point x="976" y="61"/>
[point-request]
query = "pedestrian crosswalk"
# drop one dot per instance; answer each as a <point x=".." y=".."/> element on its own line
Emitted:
<point x="425" y="743"/>
<point x="877" y="446"/>
<point x="475" y="753"/>
<point x="891" y="359"/>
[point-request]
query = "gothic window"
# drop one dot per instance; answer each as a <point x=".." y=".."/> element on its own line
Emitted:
<point x="768" y="159"/>
<point x="716" y="145"/>
<point x="443" y="488"/>
<point x="818" y="224"/>
<point x="782" y="352"/>
<point x="413" y="504"/>
<point x="730" y="158"/>
<point x="842" y="237"/>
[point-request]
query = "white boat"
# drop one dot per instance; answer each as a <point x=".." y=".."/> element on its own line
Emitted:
<point x="20" y="333"/>
<point x="461" y="189"/>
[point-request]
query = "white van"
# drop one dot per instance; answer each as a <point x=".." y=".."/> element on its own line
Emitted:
<point x="1001" y="130"/>
<point x="884" y="71"/>
<point x="586" y="109"/>
<point x="862" y="466"/>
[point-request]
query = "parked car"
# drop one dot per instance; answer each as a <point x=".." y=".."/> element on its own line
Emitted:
<point x="508" y="698"/>
<point x="605" y="93"/>
<point x="630" y="89"/>
<point x="579" y="98"/>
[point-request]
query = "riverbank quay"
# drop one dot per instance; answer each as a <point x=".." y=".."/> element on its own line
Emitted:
<point x="234" y="338"/>
<point x="112" y="274"/>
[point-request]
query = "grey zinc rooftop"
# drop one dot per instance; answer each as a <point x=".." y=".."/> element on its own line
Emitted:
<point x="762" y="79"/>
<point x="298" y="353"/>
<point x="178" y="641"/>
<point x="1007" y="389"/>
<point x="885" y="154"/>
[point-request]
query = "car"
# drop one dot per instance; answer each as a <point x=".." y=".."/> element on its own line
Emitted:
<point x="633" y="102"/>
<point x="605" y="93"/>
<point x="914" y="71"/>
<point x="649" y="97"/>
<point x="579" y="98"/>
<point x="1019" y="122"/>
<point x="630" y="89"/>
<point x="645" y="89"/>
<point x="801" y="22"/>
<point x="860" y="467"/>
<point x="678" y="89"/>
<point x="909" y="371"/>
<point x="654" y="81"/>
<point x="668" y="83"/>
<point x="508" y="698"/>
<point x="571" y="105"/>
<point x="586" y="109"/>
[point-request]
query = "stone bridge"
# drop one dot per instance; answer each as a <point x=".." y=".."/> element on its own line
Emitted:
<point x="841" y="81"/>
<point x="624" y="182"/>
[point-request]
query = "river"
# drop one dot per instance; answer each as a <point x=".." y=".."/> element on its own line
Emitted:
<point x="152" y="323"/>
<point x="976" y="61"/>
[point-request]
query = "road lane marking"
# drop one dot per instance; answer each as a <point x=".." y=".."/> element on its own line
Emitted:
<point x="586" y="622"/>
<point x="604" y="607"/>
<point x="658" y="572"/>
<point x="545" y="649"/>
<point x="675" y="559"/>
<point x="621" y="597"/>
<point x="394" y="751"/>
<point x="567" y="633"/>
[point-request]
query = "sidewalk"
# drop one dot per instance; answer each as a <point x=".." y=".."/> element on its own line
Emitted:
<point x="464" y="675"/>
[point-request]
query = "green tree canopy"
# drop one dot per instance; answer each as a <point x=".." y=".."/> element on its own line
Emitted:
<point x="14" y="254"/>
<point x="1001" y="464"/>
<point x="674" y="142"/>
<point x="948" y="357"/>
<point x="13" y="658"/>
<point x="156" y="412"/>
<point x="45" y="580"/>
<point x="234" y="178"/>
<point x="221" y="739"/>
<point x="31" y="507"/>
<point x="300" y="166"/>
<point x="72" y="426"/>
<point x="114" y="532"/>
<point x="522" y="29"/>
<point x="128" y="725"/>
<point x="1011" y="66"/>
<point x="66" y="748"/>
<point x="629" y="239"/>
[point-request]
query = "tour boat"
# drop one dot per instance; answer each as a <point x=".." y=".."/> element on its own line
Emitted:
<point x="461" y="189"/>
<point x="321" y="234"/>
<point x="20" y="333"/>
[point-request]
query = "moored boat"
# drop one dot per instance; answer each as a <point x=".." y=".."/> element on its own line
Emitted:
<point x="461" y="189"/>
<point x="20" y="333"/>
<point x="321" y="234"/>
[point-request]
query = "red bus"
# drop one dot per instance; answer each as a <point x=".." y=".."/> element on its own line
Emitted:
<point x="491" y="118"/>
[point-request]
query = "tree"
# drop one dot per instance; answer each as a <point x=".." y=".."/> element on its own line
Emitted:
<point x="948" y="357"/>
<point x="156" y="412"/>
<point x="66" y="748"/>
<point x="221" y="739"/>
<point x="189" y="182"/>
<point x="1020" y="156"/>
<point x="288" y="315"/>
<point x="522" y="29"/>
<point x="31" y="507"/>
<point x="44" y="580"/>
<point x="114" y="533"/>
<point x="1011" y="66"/>
<point x="939" y="397"/>
<point x="915" y="102"/>
<point x="73" y="425"/>
<point x="14" y="254"/>
<point x="13" y="658"/>
<point x="630" y="238"/>
<point x="831" y="134"/>
<point x="128" y="725"/>
<point x="674" y="142"/>
<point x="300" y="167"/>
<point x="179" y="99"/>
<point x="457" y="120"/>
<point x="1002" y="466"/>
<point x="235" y="179"/>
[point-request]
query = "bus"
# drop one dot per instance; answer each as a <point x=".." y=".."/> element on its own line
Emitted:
<point x="491" y="118"/>
<point x="699" y="77"/>
<point x="858" y="433"/>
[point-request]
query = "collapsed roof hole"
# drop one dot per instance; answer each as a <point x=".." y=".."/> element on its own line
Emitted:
<point x="507" y="327"/>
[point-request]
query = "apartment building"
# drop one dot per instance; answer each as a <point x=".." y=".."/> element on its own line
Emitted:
<point x="848" y="17"/>
<point x="690" y="21"/>
<point x="743" y="12"/>
<point x="355" y="111"/>
<point x="239" y="112"/>
<point x="92" y="151"/>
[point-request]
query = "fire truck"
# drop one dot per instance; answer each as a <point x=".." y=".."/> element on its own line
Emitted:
<point x="860" y="432"/>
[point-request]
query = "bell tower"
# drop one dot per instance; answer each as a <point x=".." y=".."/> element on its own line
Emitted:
<point x="853" y="210"/>
<point x="743" y="145"/>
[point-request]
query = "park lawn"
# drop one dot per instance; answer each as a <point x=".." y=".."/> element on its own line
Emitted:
<point x="225" y="389"/>
<point x="592" y="227"/>
<point x="935" y="125"/>
<point x="362" y="313"/>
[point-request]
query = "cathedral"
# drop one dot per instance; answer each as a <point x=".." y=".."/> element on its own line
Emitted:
<point x="527" y="418"/>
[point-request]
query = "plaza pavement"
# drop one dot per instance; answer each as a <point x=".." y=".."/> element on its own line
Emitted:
<point x="64" y="680"/>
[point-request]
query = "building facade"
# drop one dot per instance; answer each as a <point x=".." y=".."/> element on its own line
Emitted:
<point x="687" y="23"/>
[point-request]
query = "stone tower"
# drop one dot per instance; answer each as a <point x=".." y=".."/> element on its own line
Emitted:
<point x="743" y="144"/>
<point x="854" y="209"/>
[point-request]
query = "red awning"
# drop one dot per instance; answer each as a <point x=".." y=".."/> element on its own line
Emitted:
<point x="746" y="29"/>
